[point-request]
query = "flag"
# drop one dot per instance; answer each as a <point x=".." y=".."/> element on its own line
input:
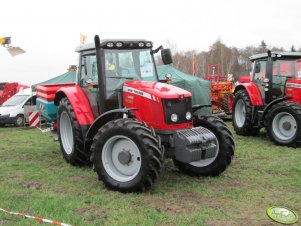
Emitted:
<point x="83" y="39"/>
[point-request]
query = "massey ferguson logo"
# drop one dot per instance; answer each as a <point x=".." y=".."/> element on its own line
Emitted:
<point x="293" y="85"/>
<point x="137" y="92"/>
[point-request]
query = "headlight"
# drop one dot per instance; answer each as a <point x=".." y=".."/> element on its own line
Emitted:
<point x="110" y="44"/>
<point x="119" y="44"/>
<point x="188" y="115"/>
<point x="174" y="117"/>
<point x="141" y="44"/>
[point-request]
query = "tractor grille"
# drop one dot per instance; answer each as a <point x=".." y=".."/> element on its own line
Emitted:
<point x="176" y="106"/>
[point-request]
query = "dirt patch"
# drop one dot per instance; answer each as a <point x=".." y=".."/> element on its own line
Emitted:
<point x="162" y="205"/>
<point x="34" y="185"/>
<point x="91" y="213"/>
<point x="77" y="178"/>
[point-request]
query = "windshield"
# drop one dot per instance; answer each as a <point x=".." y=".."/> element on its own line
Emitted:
<point x="2" y="86"/>
<point x="281" y="68"/>
<point x="134" y="64"/>
<point x="15" y="100"/>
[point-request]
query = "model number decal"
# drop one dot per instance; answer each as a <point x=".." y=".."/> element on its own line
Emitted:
<point x="293" y="85"/>
<point x="137" y="92"/>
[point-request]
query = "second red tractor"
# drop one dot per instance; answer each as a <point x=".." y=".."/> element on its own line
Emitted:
<point x="271" y="99"/>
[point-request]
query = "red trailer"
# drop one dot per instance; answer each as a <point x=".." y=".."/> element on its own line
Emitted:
<point x="7" y="90"/>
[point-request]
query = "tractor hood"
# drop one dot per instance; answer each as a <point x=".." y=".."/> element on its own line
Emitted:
<point x="158" y="89"/>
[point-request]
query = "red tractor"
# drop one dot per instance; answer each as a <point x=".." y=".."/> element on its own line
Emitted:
<point x="122" y="119"/>
<point x="271" y="98"/>
<point x="221" y="89"/>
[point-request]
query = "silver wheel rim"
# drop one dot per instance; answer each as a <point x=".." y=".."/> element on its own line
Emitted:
<point x="66" y="133"/>
<point x="111" y="152"/>
<point x="20" y="121"/>
<point x="206" y="162"/>
<point x="284" y="126"/>
<point x="240" y="113"/>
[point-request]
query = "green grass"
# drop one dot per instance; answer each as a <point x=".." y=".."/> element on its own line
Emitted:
<point x="35" y="180"/>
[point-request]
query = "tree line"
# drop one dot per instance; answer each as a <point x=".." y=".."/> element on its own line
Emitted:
<point x="232" y="60"/>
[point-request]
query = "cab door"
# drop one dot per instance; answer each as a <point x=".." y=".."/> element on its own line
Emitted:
<point x="88" y="80"/>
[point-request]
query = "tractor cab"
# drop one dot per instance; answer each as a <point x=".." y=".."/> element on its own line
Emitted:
<point x="119" y="61"/>
<point x="271" y="73"/>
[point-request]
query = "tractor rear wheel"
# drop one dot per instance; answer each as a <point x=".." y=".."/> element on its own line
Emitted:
<point x="284" y="123"/>
<point x="227" y="102"/>
<point x="225" y="149"/>
<point x="70" y="136"/>
<point x="242" y="114"/>
<point x="127" y="156"/>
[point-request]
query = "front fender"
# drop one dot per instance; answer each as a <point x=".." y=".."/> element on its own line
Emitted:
<point x="79" y="103"/>
<point x="102" y="120"/>
<point x="253" y="92"/>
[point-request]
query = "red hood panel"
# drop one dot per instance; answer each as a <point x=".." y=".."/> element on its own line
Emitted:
<point x="158" y="89"/>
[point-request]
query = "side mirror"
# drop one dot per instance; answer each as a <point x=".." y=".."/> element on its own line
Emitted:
<point x="166" y="56"/>
<point x="257" y="67"/>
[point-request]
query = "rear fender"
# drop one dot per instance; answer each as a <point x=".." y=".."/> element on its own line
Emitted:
<point x="253" y="92"/>
<point x="102" y="120"/>
<point x="79" y="103"/>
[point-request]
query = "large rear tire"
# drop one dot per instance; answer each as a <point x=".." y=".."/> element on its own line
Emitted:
<point x="127" y="156"/>
<point x="225" y="149"/>
<point x="242" y="114"/>
<point x="70" y="136"/>
<point x="284" y="123"/>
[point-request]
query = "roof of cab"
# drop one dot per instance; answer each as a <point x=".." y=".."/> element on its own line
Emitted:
<point x="91" y="46"/>
<point x="27" y="91"/>
<point x="277" y="55"/>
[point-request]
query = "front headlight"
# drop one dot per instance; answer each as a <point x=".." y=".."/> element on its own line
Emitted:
<point x="174" y="117"/>
<point x="188" y="115"/>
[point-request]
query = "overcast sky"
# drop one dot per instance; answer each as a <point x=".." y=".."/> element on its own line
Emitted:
<point x="49" y="30"/>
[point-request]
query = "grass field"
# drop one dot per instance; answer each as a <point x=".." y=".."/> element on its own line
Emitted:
<point x="35" y="180"/>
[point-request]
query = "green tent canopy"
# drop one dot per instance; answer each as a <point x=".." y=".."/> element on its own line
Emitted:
<point x="67" y="77"/>
<point x="199" y="88"/>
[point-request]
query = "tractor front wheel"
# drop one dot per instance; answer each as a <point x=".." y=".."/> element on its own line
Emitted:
<point x="225" y="149"/>
<point x="127" y="155"/>
<point x="284" y="123"/>
<point x="70" y="136"/>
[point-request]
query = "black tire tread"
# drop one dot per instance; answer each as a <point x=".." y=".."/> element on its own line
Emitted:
<point x="285" y="105"/>
<point x="78" y="157"/>
<point x="226" y="148"/>
<point x="226" y="106"/>
<point x="248" y="129"/>
<point x="146" y="141"/>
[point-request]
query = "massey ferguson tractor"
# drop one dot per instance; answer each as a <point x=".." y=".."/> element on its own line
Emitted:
<point x="271" y="99"/>
<point x="124" y="121"/>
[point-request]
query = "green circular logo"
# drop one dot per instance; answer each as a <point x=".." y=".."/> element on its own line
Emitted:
<point x="282" y="215"/>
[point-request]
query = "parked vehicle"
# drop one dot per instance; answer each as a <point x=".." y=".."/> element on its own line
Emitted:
<point x="126" y="122"/>
<point x="12" y="110"/>
<point x="271" y="98"/>
<point x="7" y="90"/>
